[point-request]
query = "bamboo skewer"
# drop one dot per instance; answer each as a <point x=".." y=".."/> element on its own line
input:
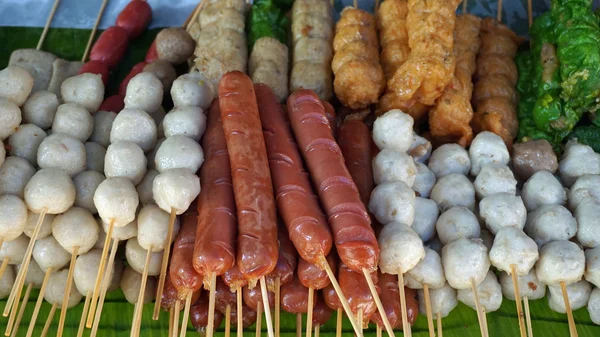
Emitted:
<point x="240" y="323"/>
<point x="186" y="315"/>
<point x="515" y="280"/>
<point x="21" y="311"/>
<point x="94" y="29"/>
<point x="258" y="318"/>
<point x="86" y="307"/>
<point x="165" y="262"/>
<point x="4" y="265"/>
<point x="298" y="325"/>
<point x="228" y="320"/>
<point x="405" y="325"/>
<point x="63" y="309"/>
<point x="211" y="305"/>
<point x="341" y="296"/>
<point x="97" y="285"/>
<point x="267" y="309"/>
<point x="105" y="283"/>
<point x="137" y="315"/>
<point x="428" y="310"/>
<point x="480" y="312"/>
<point x="47" y="26"/>
<point x="309" y="311"/>
<point x="176" y="318"/>
<point x="171" y="318"/>
<point x="527" y="316"/>
<point x="338" y="323"/>
<point x="277" y="305"/>
<point x="439" y="325"/>
<point x="572" y="326"/>
<point x="49" y="320"/>
<point x="38" y="303"/>
<point x="13" y="314"/>
<point x="499" y="15"/>
<point x="386" y="322"/>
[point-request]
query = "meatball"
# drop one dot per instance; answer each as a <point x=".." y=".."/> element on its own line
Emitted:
<point x="145" y="92"/>
<point x="175" y="189"/>
<point x="193" y="89"/>
<point x="55" y="290"/>
<point x="578" y="293"/>
<point x="94" y="157"/>
<point x="529" y="286"/>
<point x="393" y="201"/>
<point x="487" y="148"/>
<point x="578" y="160"/>
<point x="489" y="291"/>
<point x="74" y="120"/>
<point x="51" y="190"/>
<point x="62" y="151"/>
<point x="86" y="184"/>
<point x="443" y="300"/>
<point x="179" y="152"/>
<point x="144" y="188"/>
<point x="186" y="121"/>
<point x="131" y="281"/>
<point x="134" y="125"/>
<point x="592" y="266"/>
<point x="424" y="180"/>
<point x="449" y="158"/>
<point x="393" y="130"/>
<point x="513" y="247"/>
<point x="14" y="176"/>
<point x="593" y="306"/>
<point x="75" y="228"/>
<point x="560" y="261"/>
<point x="40" y="108"/>
<point x="428" y="271"/>
<point x="390" y="166"/>
<point x="86" y="89"/>
<point x="587" y="215"/>
<point x="116" y="200"/>
<point x="153" y="228"/>
<point x="587" y="186"/>
<point x="420" y="149"/>
<point x="495" y="178"/>
<point x="48" y="253"/>
<point x="502" y="210"/>
<point x="426" y="215"/>
<point x="15" y="84"/>
<point x="457" y="223"/>
<point x="454" y="190"/>
<point x="174" y="45"/>
<point x="533" y="156"/>
<point x="401" y="248"/>
<point x="543" y="189"/>
<point x="164" y="71"/>
<point x="465" y="261"/>
<point x="126" y="160"/>
<point x="25" y="142"/>
<point x="136" y="258"/>
<point x="10" y="118"/>
<point x="45" y="227"/>
<point x="549" y="223"/>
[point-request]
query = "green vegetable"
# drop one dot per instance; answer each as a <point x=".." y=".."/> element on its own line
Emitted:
<point x="589" y="135"/>
<point x="266" y="19"/>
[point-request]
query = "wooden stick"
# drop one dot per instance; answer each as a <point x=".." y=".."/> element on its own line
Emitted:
<point x="171" y="318"/>
<point x="378" y="330"/>
<point x="163" y="267"/>
<point x="1" y="242"/>
<point x="94" y="29"/>
<point x="49" y="320"/>
<point x="528" y="316"/>
<point x="572" y="327"/>
<point x="4" y="265"/>
<point x="47" y="26"/>
<point x="356" y="4"/>
<point x="384" y="318"/>
<point x="20" y="280"/>
<point x="360" y="318"/>
<point x="176" y="320"/>
<point x="428" y="310"/>
<point x="277" y="306"/>
<point x="465" y="6"/>
<point x="258" y="318"/>
<point x="342" y="297"/>
<point x="15" y="327"/>
<point x="309" y="311"/>
<point x="65" y="302"/>
<point x="38" y="304"/>
<point x="105" y="249"/>
<point x="13" y="314"/>
<point x="529" y="12"/>
<point x="479" y="309"/>
<point x="515" y="279"/>
<point x="499" y="15"/>
<point x="317" y="330"/>
<point x="338" y="324"/>
<point x="406" y="328"/>
<point x="265" y="296"/>
<point x="86" y="307"/>
<point x="139" y="306"/>
<point x="186" y="315"/>
<point x="485" y="323"/>
<point x="105" y="283"/>
<point x="298" y="325"/>
<point x="240" y="323"/>
<point x="191" y="19"/>
<point x="210" y="328"/>
<point x="228" y="320"/>
<point x="439" y="325"/>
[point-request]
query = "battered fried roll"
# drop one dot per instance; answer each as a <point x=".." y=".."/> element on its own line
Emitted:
<point x="449" y="120"/>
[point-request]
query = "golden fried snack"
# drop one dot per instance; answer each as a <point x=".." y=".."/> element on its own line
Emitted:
<point x="494" y="101"/>
<point x="449" y="120"/>
<point x="359" y="79"/>
<point x="431" y="63"/>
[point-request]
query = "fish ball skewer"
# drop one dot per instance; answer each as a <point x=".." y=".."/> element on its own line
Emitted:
<point x="134" y="125"/>
<point x="448" y="159"/>
<point x="550" y="223"/>
<point x="62" y="151"/>
<point x="94" y="157"/>
<point x="84" y="276"/>
<point x="578" y="160"/>
<point x="25" y="142"/>
<point x="454" y="190"/>
<point x="428" y="272"/>
<point x="587" y="186"/>
<point x="390" y="166"/>
<point x="40" y="109"/>
<point x="153" y="228"/>
<point x="489" y="291"/>
<point x="175" y="189"/>
<point x="502" y="210"/>
<point x="13" y="217"/>
<point x="136" y="257"/>
<point x="179" y="152"/>
<point x="86" y="89"/>
<point x="15" y="173"/>
<point x="457" y="223"/>
<point x="393" y="202"/>
<point x="459" y="274"/>
<point x="86" y="184"/>
<point x="103" y="122"/>
<point x="495" y="178"/>
<point x="125" y="160"/>
<point x="543" y="189"/>
<point x="15" y="85"/>
<point x="131" y="283"/>
<point x="578" y="293"/>
<point x="193" y="89"/>
<point x="145" y="92"/>
<point x="10" y="118"/>
<point x="189" y="121"/>
<point x="487" y="148"/>
<point x="74" y="120"/>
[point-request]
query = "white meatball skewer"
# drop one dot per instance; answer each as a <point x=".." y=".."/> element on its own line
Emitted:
<point x="58" y="288"/>
<point x="529" y="288"/>
<point x="49" y="191"/>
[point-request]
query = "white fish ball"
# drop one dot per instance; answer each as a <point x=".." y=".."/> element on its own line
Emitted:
<point x="74" y="120"/>
<point x="15" y="84"/>
<point x="144" y="188"/>
<point x="390" y="166"/>
<point x="14" y="250"/>
<point x="449" y="158"/>
<point x="465" y="260"/>
<point x="116" y="200"/>
<point x="136" y="258"/>
<point x="543" y="188"/>
<point x="51" y="189"/>
<point x="560" y="261"/>
<point x="489" y="291"/>
<point x="393" y="130"/>
<point x="179" y="152"/>
<point x="424" y="180"/>
<point x="502" y="210"/>
<point x="75" y="228"/>
<point x="592" y="266"/>
<point x="587" y="186"/>
<point x="86" y="89"/>
<point x="189" y="121"/>
<point x="48" y="253"/>
<point x="45" y="227"/>
<point x="13" y="217"/>
<point x="587" y="215"/>
<point x="122" y="233"/>
<point x="420" y="149"/>
<point x="55" y="290"/>
<point x="62" y="151"/>
<point x="126" y="160"/>
<point x="94" y="157"/>
<point x="34" y="274"/>
<point x="487" y="148"/>
<point x="550" y="223"/>
<point x="25" y="142"/>
<point x="175" y="190"/>
<point x="428" y="271"/>
<point x="457" y="223"/>
<point x="578" y="160"/>
<point x="117" y="274"/>
<point x="512" y="247"/>
<point x="134" y="125"/>
<point x="86" y="270"/>
<point x="454" y="190"/>
<point x="443" y="300"/>
<point x="593" y="306"/>
<point x="393" y="201"/>
<point x="40" y="109"/>
<point x="10" y="118"/>
<point x="144" y="91"/>
<point x="495" y="178"/>
<point x="153" y="228"/>
<point x="15" y="173"/>
<point x="193" y="89"/>
<point x="7" y="281"/>
<point x="131" y="282"/>
<point x="103" y="122"/>
<point x="426" y="215"/>
<point x="400" y="248"/>
<point x="529" y="286"/>
<point x="579" y="293"/>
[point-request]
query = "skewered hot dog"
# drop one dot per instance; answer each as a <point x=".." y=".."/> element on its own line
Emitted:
<point x="294" y="297"/>
<point x="96" y="67"/>
<point x="224" y="296"/>
<point x="257" y="223"/>
<point x="248" y="316"/>
<point x="312" y="276"/>
<point x="354" y="138"/>
<point x="181" y="272"/>
<point x="234" y="279"/>
<point x="321" y="312"/>
<point x="214" y="250"/>
<point x="134" y="18"/>
<point x="354" y="238"/>
<point x="286" y="263"/>
<point x="110" y="46"/>
<point x="355" y="287"/>
<point x="331" y="116"/>
<point x="296" y="202"/>
<point x="252" y="298"/>
<point x="388" y="285"/>
<point x="199" y="314"/>
<point x="169" y="295"/>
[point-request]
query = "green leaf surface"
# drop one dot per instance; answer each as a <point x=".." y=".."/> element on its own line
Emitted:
<point x="117" y="313"/>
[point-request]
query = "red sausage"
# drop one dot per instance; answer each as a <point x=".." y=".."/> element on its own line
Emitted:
<point x="257" y="223"/>
<point x="331" y="298"/>
<point x="181" y="272"/>
<point x="296" y="201"/>
<point x="321" y="312"/>
<point x="224" y="296"/>
<point x="356" y="289"/>
<point x="331" y="117"/>
<point x="113" y="103"/>
<point x="348" y="218"/>
<point x="390" y="299"/>
<point x="136" y="69"/>
<point x="253" y="296"/>
<point x="294" y="297"/>
<point x="234" y="279"/>
<point x="286" y="263"/>
<point x="152" y="53"/>
<point x="134" y="18"/>
<point x="214" y="251"/>
<point x="248" y="316"/>
<point x="169" y="295"/>
<point x="199" y="314"/>
<point x="110" y="46"/>
<point x="312" y="276"/>
<point x="354" y="138"/>
<point x="96" y="67"/>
